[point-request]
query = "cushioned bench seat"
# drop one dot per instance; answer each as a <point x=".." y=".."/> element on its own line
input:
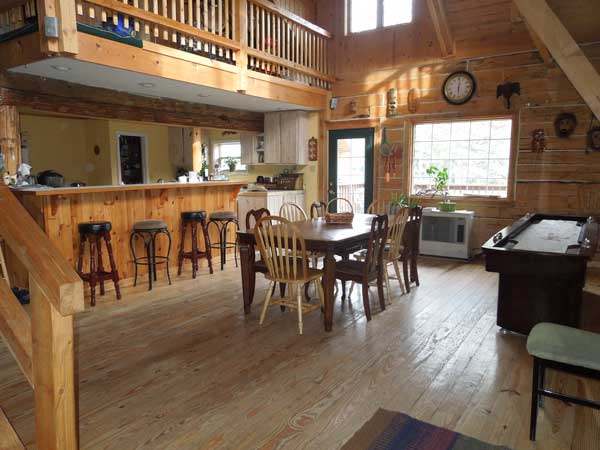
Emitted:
<point x="563" y="344"/>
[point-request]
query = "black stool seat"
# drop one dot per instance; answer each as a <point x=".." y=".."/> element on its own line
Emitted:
<point x="223" y="215"/>
<point x="193" y="215"/>
<point x="149" y="225"/>
<point x="94" y="227"/>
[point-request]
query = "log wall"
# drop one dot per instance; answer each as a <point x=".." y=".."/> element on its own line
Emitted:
<point x="564" y="179"/>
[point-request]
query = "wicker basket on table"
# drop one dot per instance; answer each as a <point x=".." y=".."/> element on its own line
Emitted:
<point x="340" y="218"/>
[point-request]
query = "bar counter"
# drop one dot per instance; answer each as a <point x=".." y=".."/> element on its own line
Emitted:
<point x="59" y="210"/>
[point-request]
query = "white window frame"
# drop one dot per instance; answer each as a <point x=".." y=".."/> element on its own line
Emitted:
<point x="144" y="139"/>
<point x="511" y="162"/>
<point x="215" y="159"/>
<point x="380" y="16"/>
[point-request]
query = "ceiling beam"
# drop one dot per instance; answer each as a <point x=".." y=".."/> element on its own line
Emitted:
<point x="571" y="59"/>
<point x="437" y="10"/>
<point x="515" y="17"/>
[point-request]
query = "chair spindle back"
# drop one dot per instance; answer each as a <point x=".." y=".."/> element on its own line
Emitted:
<point x="318" y="209"/>
<point x="377" y="240"/>
<point x="396" y="233"/>
<point x="282" y="247"/>
<point x="254" y="215"/>
<point x="292" y="212"/>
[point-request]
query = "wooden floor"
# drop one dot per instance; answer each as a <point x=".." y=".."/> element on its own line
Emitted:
<point x="183" y="368"/>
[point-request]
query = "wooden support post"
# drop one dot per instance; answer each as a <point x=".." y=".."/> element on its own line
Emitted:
<point x="197" y="149"/>
<point x="65" y="12"/>
<point x="10" y="137"/>
<point x="54" y="374"/>
<point x="553" y="34"/>
<point x="241" y="33"/>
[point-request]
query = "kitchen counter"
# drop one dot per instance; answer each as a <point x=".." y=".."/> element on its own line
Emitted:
<point x="59" y="211"/>
<point x="45" y="191"/>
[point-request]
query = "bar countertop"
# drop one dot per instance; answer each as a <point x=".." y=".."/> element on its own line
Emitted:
<point x="46" y="191"/>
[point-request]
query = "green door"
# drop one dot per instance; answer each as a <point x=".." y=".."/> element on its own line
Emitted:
<point x="351" y="166"/>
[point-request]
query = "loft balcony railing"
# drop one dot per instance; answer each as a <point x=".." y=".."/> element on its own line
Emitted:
<point x="254" y="35"/>
<point x="17" y="17"/>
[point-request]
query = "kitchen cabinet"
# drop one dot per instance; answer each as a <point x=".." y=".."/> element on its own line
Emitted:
<point x="272" y="200"/>
<point x="250" y="145"/>
<point x="286" y="138"/>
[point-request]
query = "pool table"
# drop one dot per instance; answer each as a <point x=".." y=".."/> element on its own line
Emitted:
<point x="542" y="261"/>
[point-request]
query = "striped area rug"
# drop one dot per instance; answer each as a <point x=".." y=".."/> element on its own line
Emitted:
<point x="388" y="430"/>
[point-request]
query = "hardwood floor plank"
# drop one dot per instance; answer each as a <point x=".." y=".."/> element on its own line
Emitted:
<point x="183" y="368"/>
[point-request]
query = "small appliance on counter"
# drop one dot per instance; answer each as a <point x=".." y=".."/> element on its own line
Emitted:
<point x="51" y="178"/>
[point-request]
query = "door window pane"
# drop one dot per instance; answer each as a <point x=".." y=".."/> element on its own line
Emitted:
<point x="351" y="171"/>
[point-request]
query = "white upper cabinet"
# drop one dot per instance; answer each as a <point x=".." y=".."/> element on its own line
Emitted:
<point x="286" y="138"/>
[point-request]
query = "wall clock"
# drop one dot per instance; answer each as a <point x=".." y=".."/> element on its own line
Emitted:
<point x="593" y="138"/>
<point x="459" y="87"/>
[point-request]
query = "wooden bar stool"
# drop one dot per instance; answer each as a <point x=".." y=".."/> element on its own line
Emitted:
<point x="193" y="218"/>
<point x="149" y="230"/>
<point x="94" y="232"/>
<point x="222" y="220"/>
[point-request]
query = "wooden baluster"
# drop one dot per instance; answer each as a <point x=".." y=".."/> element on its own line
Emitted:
<point x="213" y="17"/>
<point x="126" y="17"/>
<point x="182" y="39"/>
<point x="228" y="53"/>
<point x="155" y="11"/>
<point x="220" y="25"/>
<point x="165" y="13"/>
<point x="261" y="43"/>
<point x="174" y="17"/>
<point x="136" y="24"/>
<point x="198" y="19"/>
<point x="251" y="26"/>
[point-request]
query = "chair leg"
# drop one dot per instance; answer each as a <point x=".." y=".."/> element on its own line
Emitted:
<point x="387" y="285"/>
<point x="266" y="304"/>
<point x="351" y="289"/>
<point x="534" y="399"/>
<point x="113" y="266"/>
<point x="366" y="304"/>
<point x="405" y="270"/>
<point x="299" y="298"/>
<point x="194" y="249"/>
<point x="80" y="257"/>
<point x="207" y="245"/>
<point x="181" y="249"/>
<point x="93" y="270"/>
<point x="399" y="277"/>
<point x="380" y="294"/>
<point x="541" y="384"/>
<point x="100" y="263"/>
<point x="319" y="285"/>
<point x="343" y="289"/>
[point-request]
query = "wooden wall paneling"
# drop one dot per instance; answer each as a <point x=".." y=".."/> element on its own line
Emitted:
<point x="8" y="437"/>
<point x="10" y="137"/>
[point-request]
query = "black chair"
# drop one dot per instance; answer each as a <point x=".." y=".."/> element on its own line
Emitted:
<point x="371" y="268"/>
<point x="148" y="231"/>
<point x="94" y="233"/>
<point x="222" y="220"/>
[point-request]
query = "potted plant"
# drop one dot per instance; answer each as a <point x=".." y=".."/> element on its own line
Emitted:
<point x="231" y="163"/>
<point x="440" y="180"/>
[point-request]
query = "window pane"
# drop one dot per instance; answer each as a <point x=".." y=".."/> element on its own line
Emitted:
<point x="228" y="150"/>
<point x="396" y="12"/>
<point x="363" y="15"/>
<point x="476" y="153"/>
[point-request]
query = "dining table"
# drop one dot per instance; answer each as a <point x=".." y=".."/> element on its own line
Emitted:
<point x="329" y="240"/>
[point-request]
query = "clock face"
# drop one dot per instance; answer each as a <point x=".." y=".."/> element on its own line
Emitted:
<point x="459" y="87"/>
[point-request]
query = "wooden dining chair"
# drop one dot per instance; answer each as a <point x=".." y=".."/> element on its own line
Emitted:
<point x="411" y="250"/>
<point x="318" y="209"/>
<point x="252" y="218"/>
<point x="392" y="251"/>
<point x="371" y="268"/>
<point x="283" y="250"/>
<point x="341" y="205"/>
<point x="292" y="212"/>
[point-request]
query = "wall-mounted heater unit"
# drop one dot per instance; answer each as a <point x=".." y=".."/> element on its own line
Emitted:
<point x="446" y="234"/>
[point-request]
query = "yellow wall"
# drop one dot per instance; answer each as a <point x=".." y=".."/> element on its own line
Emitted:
<point x="59" y="144"/>
<point x="67" y="146"/>
<point x="157" y="146"/>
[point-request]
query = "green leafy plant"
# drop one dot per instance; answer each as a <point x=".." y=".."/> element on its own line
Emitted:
<point x="231" y="163"/>
<point x="403" y="200"/>
<point x="440" y="180"/>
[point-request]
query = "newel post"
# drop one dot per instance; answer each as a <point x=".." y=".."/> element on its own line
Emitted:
<point x="56" y="411"/>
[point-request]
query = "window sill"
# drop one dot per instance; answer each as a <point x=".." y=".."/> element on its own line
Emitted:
<point x="471" y="200"/>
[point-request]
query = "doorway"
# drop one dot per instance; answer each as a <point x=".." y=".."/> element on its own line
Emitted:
<point x="133" y="164"/>
<point x="351" y="166"/>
